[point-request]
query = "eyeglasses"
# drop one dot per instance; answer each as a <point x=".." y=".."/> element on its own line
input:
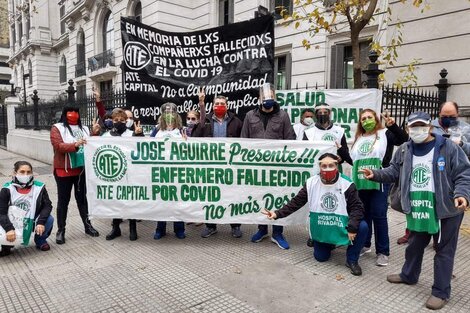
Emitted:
<point x="219" y="103"/>
<point x="191" y="119"/>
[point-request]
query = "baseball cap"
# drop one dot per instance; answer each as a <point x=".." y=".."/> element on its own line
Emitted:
<point x="419" y="116"/>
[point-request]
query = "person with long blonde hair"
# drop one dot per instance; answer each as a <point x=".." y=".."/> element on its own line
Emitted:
<point x="373" y="149"/>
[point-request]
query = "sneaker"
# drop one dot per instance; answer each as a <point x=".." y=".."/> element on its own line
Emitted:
<point x="44" y="247"/>
<point x="356" y="270"/>
<point x="207" y="232"/>
<point x="236" y="232"/>
<point x="180" y="235"/>
<point x="382" y="260"/>
<point x="158" y="235"/>
<point x="280" y="241"/>
<point x="365" y="250"/>
<point x="435" y="303"/>
<point x="260" y="235"/>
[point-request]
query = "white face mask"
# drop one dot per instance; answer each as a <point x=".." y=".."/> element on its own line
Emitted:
<point x="129" y="123"/>
<point x="419" y="134"/>
<point x="308" y="121"/>
<point x="23" y="179"/>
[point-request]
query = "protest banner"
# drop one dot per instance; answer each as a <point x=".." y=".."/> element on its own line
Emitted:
<point x="346" y="104"/>
<point x="17" y="217"/>
<point x="223" y="180"/>
<point x="232" y="60"/>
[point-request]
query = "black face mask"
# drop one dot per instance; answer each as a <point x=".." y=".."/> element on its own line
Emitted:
<point x="448" y="121"/>
<point x="120" y="127"/>
<point x="323" y="119"/>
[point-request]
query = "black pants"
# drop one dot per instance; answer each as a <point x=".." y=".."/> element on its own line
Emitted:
<point x="64" y="192"/>
<point x="214" y="226"/>
<point x="443" y="259"/>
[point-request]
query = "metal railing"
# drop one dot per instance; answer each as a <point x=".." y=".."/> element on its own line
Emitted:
<point x="101" y="60"/>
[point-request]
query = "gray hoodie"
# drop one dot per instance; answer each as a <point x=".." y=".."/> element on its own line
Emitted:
<point x="451" y="175"/>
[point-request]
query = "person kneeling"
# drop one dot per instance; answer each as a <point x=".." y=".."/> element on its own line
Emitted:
<point x="24" y="203"/>
<point x="334" y="203"/>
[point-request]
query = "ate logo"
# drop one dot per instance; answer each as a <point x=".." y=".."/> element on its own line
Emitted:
<point x="365" y="147"/>
<point x="109" y="163"/>
<point x="328" y="137"/>
<point x="421" y="175"/>
<point x="329" y="202"/>
<point x="136" y="55"/>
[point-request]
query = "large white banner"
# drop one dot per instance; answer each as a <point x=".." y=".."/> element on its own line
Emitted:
<point x="346" y="104"/>
<point x="215" y="180"/>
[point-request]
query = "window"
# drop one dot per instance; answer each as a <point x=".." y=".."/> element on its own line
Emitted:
<point x="108" y="32"/>
<point x="62" y="21"/>
<point x="138" y="12"/>
<point x="282" y="65"/>
<point x="282" y="7"/>
<point x="80" y="47"/>
<point x="20" y="31"/>
<point x="226" y="12"/>
<point x="81" y="92"/>
<point x="27" y="28"/>
<point x="13" y="35"/>
<point x="63" y="70"/>
<point x="30" y="72"/>
<point x="106" y="87"/>
<point x="341" y="71"/>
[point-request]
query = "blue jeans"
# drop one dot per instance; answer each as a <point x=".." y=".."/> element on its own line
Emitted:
<point x="322" y="251"/>
<point x="277" y="230"/>
<point x="376" y="206"/>
<point x="178" y="227"/>
<point x="40" y="240"/>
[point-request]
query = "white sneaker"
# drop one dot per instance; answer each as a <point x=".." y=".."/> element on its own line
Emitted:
<point x="382" y="260"/>
<point x="365" y="250"/>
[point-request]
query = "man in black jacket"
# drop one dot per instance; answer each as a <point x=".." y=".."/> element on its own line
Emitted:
<point x="336" y="213"/>
<point x="219" y="123"/>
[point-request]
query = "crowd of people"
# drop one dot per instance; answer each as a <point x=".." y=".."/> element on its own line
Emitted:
<point x="430" y="172"/>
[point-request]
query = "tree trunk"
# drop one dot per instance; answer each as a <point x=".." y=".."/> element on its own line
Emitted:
<point x="356" y="52"/>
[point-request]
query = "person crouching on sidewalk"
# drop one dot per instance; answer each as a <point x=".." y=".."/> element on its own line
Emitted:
<point x="331" y="195"/>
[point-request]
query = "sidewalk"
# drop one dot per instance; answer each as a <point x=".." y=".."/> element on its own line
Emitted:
<point x="217" y="274"/>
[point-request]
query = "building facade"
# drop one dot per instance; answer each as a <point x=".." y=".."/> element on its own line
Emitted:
<point x="5" y="72"/>
<point x="54" y="41"/>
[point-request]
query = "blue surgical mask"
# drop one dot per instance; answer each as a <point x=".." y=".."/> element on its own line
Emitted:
<point x="448" y="121"/>
<point x="108" y="124"/>
<point x="269" y="103"/>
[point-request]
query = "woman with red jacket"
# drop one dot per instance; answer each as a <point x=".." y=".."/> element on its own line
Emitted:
<point x="67" y="138"/>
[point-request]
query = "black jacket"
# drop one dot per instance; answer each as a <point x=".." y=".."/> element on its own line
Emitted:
<point x="354" y="206"/>
<point x="43" y="208"/>
<point x="234" y="127"/>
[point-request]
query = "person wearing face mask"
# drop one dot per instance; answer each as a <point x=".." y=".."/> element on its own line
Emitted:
<point x="268" y="121"/>
<point x="330" y="194"/>
<point x="223" y="124"/>
<point x="434" y="178"/>
<point x="192" y="119"/>
<point x="325" y="130"/>
<point x="306" y="121"/>
<point x="169" y="125"/>
<point x="133" y="125"/>
<point x="67" y="139"/>
<point x="446" y="125"/>
<point x="373" y="148"/>
<point x="26" y="193"/>
<point x="120" y="129"/>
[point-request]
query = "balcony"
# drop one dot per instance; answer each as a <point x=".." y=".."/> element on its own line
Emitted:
<point x="80" y="69"/>
<point x="101" y="66"/>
